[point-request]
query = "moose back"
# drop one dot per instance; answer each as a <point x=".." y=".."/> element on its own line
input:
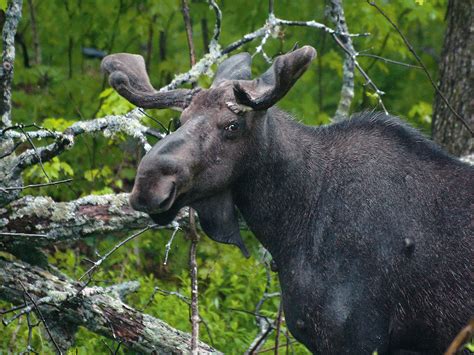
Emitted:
<point x="370" y="224"/>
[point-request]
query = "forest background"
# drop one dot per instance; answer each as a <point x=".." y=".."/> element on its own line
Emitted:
<point x="58" y="82"/>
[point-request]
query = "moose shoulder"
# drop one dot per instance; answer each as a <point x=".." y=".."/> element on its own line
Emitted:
<point x="370" y="223"/>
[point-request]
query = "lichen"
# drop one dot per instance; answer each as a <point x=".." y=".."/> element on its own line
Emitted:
<point x="34" y="206"/>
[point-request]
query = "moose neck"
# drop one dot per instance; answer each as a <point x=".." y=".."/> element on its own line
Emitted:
<point x="278" y="192"/>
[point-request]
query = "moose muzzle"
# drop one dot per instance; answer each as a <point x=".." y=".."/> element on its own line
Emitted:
<point x="161" y="176"/>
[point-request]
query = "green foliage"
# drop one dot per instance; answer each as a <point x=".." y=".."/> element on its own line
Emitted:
<point x="68" y="87"/>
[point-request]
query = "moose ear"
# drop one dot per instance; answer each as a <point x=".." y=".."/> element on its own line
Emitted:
<point x="128" y="76"/>
<point x="218" y="219"/>
<point x="271" y="86"/>
<point x="237" y="67"/>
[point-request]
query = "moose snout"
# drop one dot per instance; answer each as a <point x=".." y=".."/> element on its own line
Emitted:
<point x="155" y="190"/>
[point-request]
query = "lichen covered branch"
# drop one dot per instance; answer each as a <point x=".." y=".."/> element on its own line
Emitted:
<point x="41" y="221"/>
<point x="100" y="310"/>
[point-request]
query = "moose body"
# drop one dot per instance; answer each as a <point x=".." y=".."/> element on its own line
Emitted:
<point x="369" y="223"/>
<point x="370" y="226"/>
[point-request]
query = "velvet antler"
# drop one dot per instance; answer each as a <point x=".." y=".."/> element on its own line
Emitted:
<point x="271" y="86"/>
<point x="127" y="75"/>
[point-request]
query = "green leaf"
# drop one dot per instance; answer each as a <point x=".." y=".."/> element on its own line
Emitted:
<point x="3" y="5"/>
<point x="420" y="2"/>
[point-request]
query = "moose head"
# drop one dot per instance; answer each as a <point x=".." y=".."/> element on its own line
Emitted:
<point x="198" y="164"/>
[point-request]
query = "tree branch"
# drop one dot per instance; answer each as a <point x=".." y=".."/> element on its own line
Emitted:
<point x="347" y="90"/>
<point x="41" y="221"/>
<point x="98" y="309"/>
<point x="108" y="126"/>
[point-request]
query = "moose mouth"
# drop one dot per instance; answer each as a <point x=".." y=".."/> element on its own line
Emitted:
<point x="166" y="217"/>
<point x="169" y="208"/>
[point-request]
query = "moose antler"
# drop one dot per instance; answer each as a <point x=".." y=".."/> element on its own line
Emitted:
<point x="128" y="76"/>
<point x="271" y="86"/>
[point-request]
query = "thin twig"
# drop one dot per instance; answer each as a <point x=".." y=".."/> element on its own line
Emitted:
<point x="189" y="31"/>
<point x="181" y="298"/>
<point x="168" y="293"/>
<point x="36" y="151"/>
<point x="391" y="61"/>
<point x="194" y="282"/>
<point x="13" y="234"/>
<point x="168" y="245"/>
<point x="418" y="59"/>
<point x="278" y="325"/>
<point x="155" y="120"/>
<point x="97" y="263"/>
<point x="5" y="189"/>
<point x="320" y="26"/>
<point x="40" y="315"/>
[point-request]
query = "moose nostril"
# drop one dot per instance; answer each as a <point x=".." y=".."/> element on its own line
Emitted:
<point x="137" y="202"/>
<point x="166" y="203"/>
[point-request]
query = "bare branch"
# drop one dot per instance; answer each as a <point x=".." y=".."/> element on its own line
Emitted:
<point x="194" y="283"/>
<point x="387" y="60"/>
<point x="215" y="52"/>
<point x="108" y="126"/>
<point x="278" y="325"/>
<point x="319" y="26"/>
<point x="217" y="26"/>
<point x="368" y="80"/>
<point x="35" y="185"/>
<point x="189" y="31"/>
<point x="270" y="7"/>
<point x="99" y="262"/>
<point x="168" y="245"/>
<point x="265" y="326"/>
<point x="347" y="90"/>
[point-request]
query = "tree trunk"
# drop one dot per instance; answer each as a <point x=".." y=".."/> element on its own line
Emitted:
<point x="456" y="81"/>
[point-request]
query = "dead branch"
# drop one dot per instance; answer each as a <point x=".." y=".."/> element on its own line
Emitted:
<point x="98" y="309"/>
<point x="347" y="90"/>
<point x="264" y="324"/>
<point x="96" y="264"/>
<point x="41" y="221"/>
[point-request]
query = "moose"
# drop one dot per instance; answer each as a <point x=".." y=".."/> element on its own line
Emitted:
<point x="369" y="223"/>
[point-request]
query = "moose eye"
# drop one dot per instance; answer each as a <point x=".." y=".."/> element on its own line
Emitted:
<point x="232" y="127"/>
